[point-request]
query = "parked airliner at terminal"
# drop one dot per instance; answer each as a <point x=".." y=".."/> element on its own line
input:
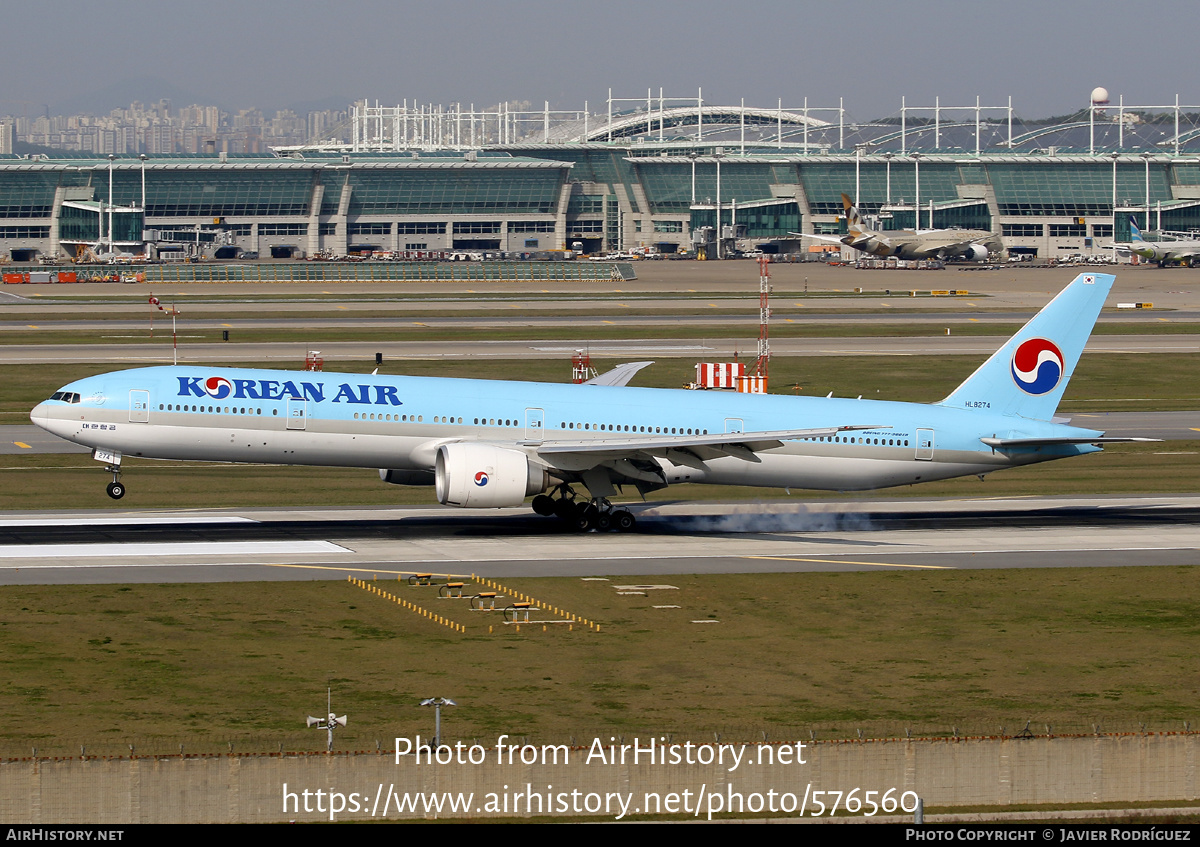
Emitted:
<point x="492" y="443"/>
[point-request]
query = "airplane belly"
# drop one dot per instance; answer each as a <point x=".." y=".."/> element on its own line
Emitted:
<point x="843" y="473"/>
<point x="243" y="444"/>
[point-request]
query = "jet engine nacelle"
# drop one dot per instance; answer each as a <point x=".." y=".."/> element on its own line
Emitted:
<point x="485" y="476"/>
<point x="976" y="253"/>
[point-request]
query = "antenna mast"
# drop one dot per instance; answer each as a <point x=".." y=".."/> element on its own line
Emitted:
<point x="764" y="319"/>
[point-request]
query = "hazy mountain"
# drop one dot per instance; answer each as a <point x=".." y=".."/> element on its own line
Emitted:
<point x="120" y="94"/>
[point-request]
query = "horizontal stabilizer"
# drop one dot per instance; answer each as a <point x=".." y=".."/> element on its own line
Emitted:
<point x="620" y="375"/>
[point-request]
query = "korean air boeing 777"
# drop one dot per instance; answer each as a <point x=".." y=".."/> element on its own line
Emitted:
<point x="491" y="443"/>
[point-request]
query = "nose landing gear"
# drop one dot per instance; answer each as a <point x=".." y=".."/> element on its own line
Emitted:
<point x="116" y="488"/>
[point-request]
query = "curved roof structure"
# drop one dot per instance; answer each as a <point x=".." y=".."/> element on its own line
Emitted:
<point x="1049" y="129"/>
<point x="633" y="124"/>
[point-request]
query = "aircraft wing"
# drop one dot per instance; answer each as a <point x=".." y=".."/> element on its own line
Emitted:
<point x="620" y="375"/>
<point x="958" y="246"/>
<point x="833" y="239"/>
<point x="742" y="445"/>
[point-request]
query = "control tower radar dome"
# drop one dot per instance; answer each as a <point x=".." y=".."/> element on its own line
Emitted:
<point x="1099" y="96"/>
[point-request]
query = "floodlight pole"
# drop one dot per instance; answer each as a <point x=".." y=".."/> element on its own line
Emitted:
<point x="437" y="703"/>
<point x="111" y="246"/>
<point x="916" y="157"/>
<point x="857" y="180"/>
<point x="1146" y="159"/>
<point x="717" y="155"/>
<point x="145" y="249"/>
<point x="1115" y="156"/>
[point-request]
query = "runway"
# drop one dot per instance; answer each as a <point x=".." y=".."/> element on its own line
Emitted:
<point x="675" y="538"/>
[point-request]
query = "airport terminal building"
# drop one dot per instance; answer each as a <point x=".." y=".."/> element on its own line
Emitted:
<point x="650" y="183"/>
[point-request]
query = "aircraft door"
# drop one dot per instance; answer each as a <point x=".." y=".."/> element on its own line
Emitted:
<point x="733" y="425"/>
<point x="297" y="413"/>
<point x="535" y="422"/>
<point x="925" y="445"/>
<point x="139" y="406"/>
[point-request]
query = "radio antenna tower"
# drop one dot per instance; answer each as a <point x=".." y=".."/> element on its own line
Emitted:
<point x="764" y="319"/>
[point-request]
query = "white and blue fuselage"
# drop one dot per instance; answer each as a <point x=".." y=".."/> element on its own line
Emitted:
<point x="491" y="442"/>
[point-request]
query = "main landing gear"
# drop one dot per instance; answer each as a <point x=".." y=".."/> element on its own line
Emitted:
<point x="584" y="515"/>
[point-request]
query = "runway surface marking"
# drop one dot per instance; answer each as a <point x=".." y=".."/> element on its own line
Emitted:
<point x="193" y="548"/>
<point x="22" y="445"/>
<point x="118" y="520"/>
<point x="850" y="562"/>
<point x="360" y="569"/>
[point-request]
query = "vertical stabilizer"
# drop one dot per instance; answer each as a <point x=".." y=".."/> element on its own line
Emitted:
<point x="1028" y="375"/>
<point x="854" y="221"/>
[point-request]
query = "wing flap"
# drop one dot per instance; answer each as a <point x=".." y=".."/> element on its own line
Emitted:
<point x="740" y="444"/>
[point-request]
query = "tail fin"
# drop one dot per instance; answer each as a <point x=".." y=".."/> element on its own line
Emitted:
<point x="853" y="218"/>
<point x="1028" y="375"/>
<point x="1135" y="234"/>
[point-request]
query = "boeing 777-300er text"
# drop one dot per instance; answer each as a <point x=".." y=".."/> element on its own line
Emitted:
<point x="492" y="443"/>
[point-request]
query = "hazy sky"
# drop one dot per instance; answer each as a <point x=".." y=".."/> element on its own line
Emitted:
<point x="1048" y="54"/>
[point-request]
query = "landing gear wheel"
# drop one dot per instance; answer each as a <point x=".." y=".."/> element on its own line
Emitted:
<point x="565" y="509"/>
<point x="604" y="522"/>
<point x="585" y="518"/>
<point x="116" y="490"/>
<point x="544" y="505"/>
<point x="623" y="521"/>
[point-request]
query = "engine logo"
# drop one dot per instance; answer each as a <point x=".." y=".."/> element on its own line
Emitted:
<point x="481" y="478"/>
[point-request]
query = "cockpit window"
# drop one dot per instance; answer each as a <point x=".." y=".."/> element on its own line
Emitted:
<point x="65" y="396"/>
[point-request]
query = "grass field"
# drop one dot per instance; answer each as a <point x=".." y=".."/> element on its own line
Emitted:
<point x="977" y="652"/>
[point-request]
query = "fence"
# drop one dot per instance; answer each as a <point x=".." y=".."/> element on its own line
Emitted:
<point x="602" y="778"/>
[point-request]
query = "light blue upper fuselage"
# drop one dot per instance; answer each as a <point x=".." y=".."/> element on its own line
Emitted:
<point x="495" y="411"/>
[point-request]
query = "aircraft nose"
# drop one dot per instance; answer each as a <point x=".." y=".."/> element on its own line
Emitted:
<point x="40" y="415"/>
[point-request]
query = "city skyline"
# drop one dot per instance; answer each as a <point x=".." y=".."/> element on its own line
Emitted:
<point x="240" y="56"/>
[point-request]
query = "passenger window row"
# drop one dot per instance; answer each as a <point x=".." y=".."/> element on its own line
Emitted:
<point x="227" y="410"/>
